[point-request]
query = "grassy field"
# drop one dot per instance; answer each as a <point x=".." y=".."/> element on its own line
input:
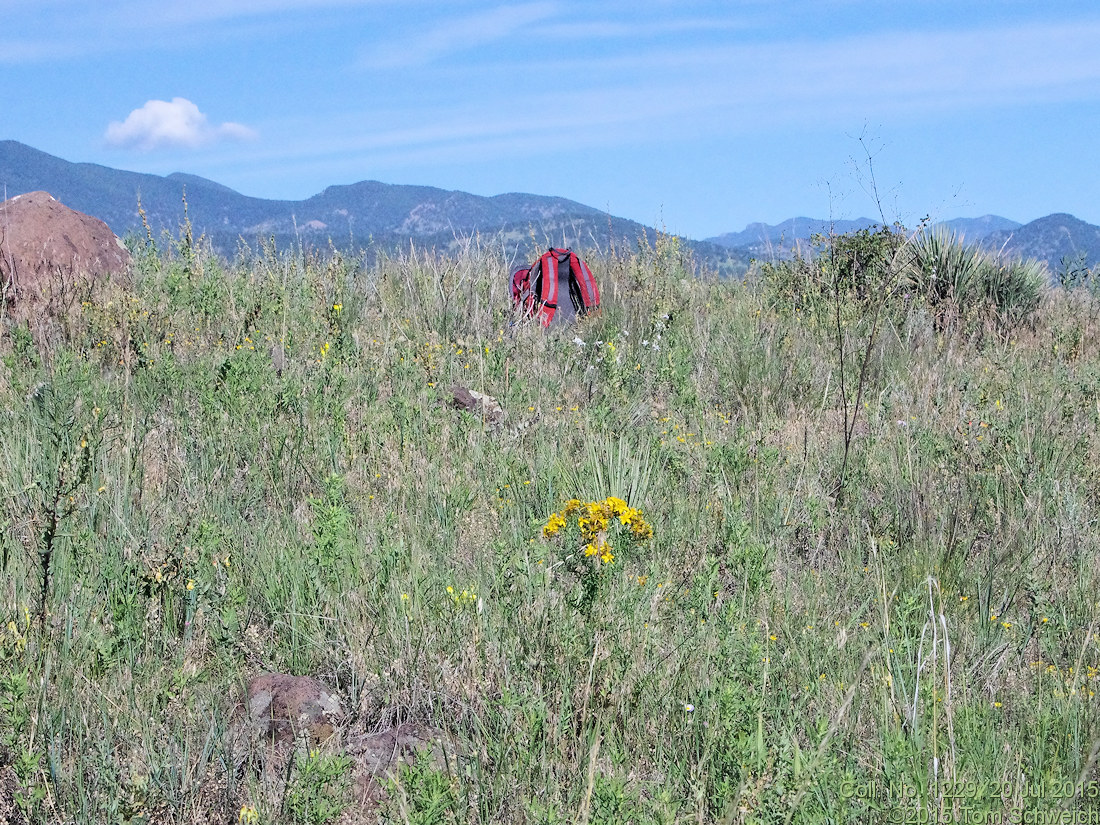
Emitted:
<point x="870" y="594"/>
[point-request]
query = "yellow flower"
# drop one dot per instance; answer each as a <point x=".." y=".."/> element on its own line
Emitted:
<point x="591" y="550"/>
<point x="190" y="584"/>
<point x="553" y="525"/>
<point x="617" y="506"/>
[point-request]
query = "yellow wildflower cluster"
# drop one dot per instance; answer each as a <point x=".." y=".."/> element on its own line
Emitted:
<point x="553" y="525"/>
<point x="467" y="596"/>
<point x="594" y="519"/>
<point x="13" y="637"/>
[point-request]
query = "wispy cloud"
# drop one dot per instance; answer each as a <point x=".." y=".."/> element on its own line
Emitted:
<point x="873" y="73"/>
<point x="204" y="11"/>
<point x="15" y="52"/>
<point x="666" y="94"/>
<point x="459" y="35"/>
<point x="161" y="124"/>
<point x="574" y="30"/>
<point x="74" y="28"/>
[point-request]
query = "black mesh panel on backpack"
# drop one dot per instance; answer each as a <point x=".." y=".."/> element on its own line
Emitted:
<point x="567" y="310"/>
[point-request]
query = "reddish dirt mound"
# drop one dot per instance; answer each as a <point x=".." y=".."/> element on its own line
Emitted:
<point x="49" y="252"/>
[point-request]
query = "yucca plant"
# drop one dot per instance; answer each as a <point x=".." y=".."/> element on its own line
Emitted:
<point x="1013" y="288"/>
<point x="946" y="270"/>
<point x="943" y="267"/>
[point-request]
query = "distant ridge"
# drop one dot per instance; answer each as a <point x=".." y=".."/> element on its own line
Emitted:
<point x="368" y="215"/>
<point x="1048" y="239"/>
<point x="762" y="238"/>
<point x="975" y="229"/>
<point x="1051" y="239"/>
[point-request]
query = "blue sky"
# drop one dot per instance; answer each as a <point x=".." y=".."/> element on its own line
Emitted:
<point x="698" y="116"/>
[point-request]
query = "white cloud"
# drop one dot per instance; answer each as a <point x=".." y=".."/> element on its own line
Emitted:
<point x="161" y="124"/>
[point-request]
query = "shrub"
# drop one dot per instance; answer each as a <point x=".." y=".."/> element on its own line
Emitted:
<point x="950" y="275"/>
<point x="859" y="268"/>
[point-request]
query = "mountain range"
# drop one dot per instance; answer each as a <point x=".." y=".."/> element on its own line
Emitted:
<point x="1059" y="240"/>
<point x="762" y="237"/>
<point x="370" y="216"/>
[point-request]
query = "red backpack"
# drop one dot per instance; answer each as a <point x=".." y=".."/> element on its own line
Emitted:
<point x="536" y="288"/>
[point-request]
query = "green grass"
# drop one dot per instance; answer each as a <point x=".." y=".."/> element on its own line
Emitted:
<point x="179" y="515"/>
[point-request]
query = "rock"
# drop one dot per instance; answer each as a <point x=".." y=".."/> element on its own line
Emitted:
<point x="281" y="716"/>
<point x="378" y="755"/>
<point x="283" y="708"/>
<point x="477" y="403"/>
<point x="278" y="358"/>
<point x="48" y="252"/>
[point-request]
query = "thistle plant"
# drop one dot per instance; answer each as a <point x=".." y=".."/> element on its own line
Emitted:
<point x="591" y="533"/>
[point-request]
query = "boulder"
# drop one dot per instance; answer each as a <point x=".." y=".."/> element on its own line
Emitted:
<point x="282" y="715"/>
<point x="50" y="253"/>
<point x="282" y="708"/>
<point x="477" y="403"/>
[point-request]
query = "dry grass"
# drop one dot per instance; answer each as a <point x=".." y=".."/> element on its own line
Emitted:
<point x="768" y="650"/>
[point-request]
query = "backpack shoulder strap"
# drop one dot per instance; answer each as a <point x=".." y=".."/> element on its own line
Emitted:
<point x="590" y="293"/>
<point x="547" y="287"/>
<point x="521" y="283"/>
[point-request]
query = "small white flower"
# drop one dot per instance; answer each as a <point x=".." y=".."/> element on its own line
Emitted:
<point x="578" y="341"/>
<point x="688" y="707"/>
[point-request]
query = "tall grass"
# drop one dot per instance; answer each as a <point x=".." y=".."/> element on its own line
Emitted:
<point x="229" y="468"/>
